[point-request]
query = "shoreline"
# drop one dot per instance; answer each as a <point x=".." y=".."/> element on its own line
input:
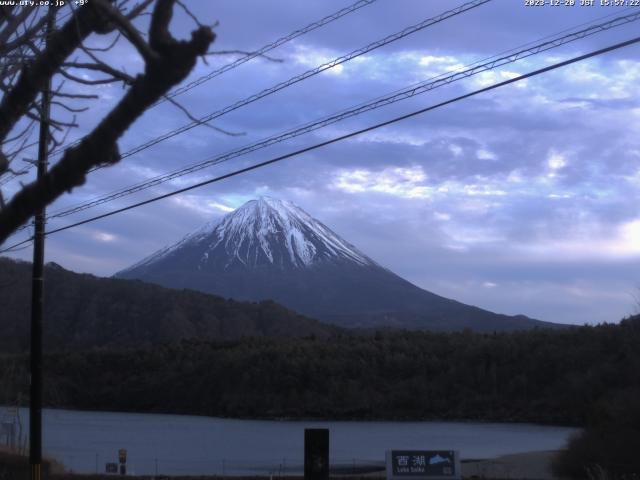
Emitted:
<point x="318" y="419"/>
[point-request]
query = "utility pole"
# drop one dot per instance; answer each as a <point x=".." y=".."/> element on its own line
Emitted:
<point x="37" y="287"/>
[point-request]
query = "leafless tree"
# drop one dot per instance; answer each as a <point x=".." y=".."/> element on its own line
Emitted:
<point x="32" y="54"/>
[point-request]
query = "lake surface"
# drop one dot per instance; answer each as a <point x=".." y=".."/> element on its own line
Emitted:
<point x="178" y="444"/>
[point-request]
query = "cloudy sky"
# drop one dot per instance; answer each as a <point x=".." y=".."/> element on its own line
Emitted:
<point x="521" y="200"/>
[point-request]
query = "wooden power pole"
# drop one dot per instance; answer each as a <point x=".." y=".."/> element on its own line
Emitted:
<point x="37" y="288"/>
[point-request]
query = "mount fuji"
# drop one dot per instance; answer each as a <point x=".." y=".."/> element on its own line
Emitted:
<point x="272" y="249"/>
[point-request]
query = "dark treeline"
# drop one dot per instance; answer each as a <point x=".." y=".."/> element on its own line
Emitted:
<point x="588" y="376"/>
<point x="550" y="376"/>
<point x="83" y="311"/>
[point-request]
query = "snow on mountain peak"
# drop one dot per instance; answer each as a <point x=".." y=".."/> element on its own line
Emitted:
<point x="263" y="228"/>
<point x="262" y="232"/>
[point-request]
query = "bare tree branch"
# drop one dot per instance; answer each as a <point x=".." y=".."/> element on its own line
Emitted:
<point x="55" y="142"/>
<point x="18" y="135"/>
<point x="35" y="113"/>
<point x="200" y="122"/>
<point x="68" y="108"/>
<point x="24" y="36"/>
<point x="190" y="13"/>
<point x="22" y="147"/>
<point x="5" y="13"/>
<point x="106" y="67"/>
<point x="123" y="24"/>
<point x="101" y="67"/>
<point x="138" y="9"/>
<point x="172" y="62"/>
<point x="76" y="95"/>
<point x="159" y="37"/>
<point x="244" y="53"/>
<point x="13" y="25"/>
<point x="4" y="163"/>
<point x="33" y="78"/>
<point x="84" y="81"/>
<point x="104" y="49"/>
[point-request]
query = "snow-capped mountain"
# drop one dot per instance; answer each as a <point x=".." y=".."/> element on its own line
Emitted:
<point x="272" y="249"/>
<point x="263" y="232"/>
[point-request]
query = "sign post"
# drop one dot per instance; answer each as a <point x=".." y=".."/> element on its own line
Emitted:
<point x="316" y="453"/>
<point x="423" y="464"/>
<point x="122" y="458"/>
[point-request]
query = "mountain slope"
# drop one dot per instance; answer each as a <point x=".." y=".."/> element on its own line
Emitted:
<point x="262" y="233"/>
<point x="272" y="249"/>
<point x="85" y="311"/>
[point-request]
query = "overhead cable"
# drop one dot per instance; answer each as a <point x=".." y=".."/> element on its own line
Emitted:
<point x="280" y="158"/>
<point x="394" y="97"/>
<point x="234" y="64"/>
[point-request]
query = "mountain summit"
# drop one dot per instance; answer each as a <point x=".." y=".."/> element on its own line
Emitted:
<point x="262" y="233"/>
<point x="272" y="249"/>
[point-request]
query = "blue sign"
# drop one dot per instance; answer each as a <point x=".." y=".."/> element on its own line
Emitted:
<point x="427" y="464"/>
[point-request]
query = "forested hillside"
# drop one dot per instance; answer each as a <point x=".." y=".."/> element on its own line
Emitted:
<point x="554" y="376"/>
<point x="84" y="311"/>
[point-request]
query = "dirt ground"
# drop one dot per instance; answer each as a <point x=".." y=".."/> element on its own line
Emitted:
<point x="532" y="465"/>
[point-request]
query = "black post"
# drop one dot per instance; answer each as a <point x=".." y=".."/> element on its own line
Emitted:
<point x="37" y="291"/>
<point x="316" y="453"/>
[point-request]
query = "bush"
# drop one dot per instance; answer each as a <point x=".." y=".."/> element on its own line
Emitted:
<point x="610" y="447"/>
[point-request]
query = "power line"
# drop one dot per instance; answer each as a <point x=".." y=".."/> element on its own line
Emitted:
<point x="345" y="137"/>
<point x="267" y="48"/>
<point x="303" y="76"/>
<point x="260" y="52"/>
<point x="45" y="37"/>
<point x="372" y="46"/>
<point x="298" y="78"/>
<point x="399" y="95"/>
<point x="18" y="246"/>
<point x="231" y="65"/>
<point x="310" y="73"/>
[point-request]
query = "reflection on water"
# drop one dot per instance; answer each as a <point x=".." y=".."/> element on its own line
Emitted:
<point x="176" y="444"/>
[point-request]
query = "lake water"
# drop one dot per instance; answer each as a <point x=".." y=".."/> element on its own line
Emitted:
<point x="178" y="444"/>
